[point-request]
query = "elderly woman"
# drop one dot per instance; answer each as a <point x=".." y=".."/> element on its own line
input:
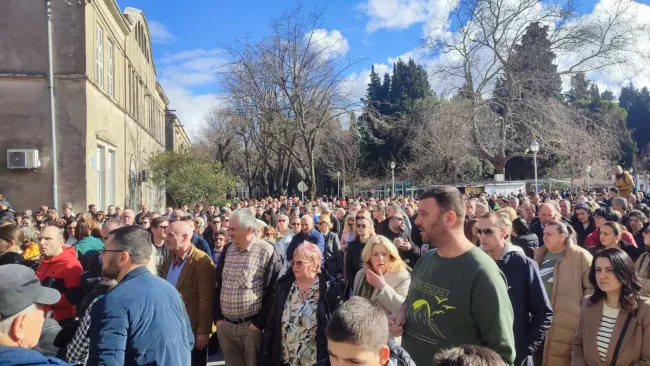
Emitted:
<point x="303" y="301"/>
<point x="385" y="278"/>
<point x="333" y="254"/>
<point x="564" y="268"/>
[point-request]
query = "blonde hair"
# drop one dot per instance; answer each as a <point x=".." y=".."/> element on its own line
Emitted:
<point x="509" y="212"/>
<point x="311" y="252"/>
<point x="325" y="218"/>
<point x="396" y="263"/>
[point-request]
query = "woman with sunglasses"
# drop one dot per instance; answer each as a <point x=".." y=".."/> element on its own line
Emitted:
<point x="303" y="301"/>
<point x="564" y="268"/>
<point x="347" y="234"/>
<point x="614" y="327"/>
<point x="353" y="260"/>
<point x="610" y="234"/>
<point x="643" y="263"/>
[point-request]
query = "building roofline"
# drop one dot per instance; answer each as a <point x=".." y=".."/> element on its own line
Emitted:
<point x="146" y="24"/>
<point x="162" y="94"/>
<point x="115" y="10"/>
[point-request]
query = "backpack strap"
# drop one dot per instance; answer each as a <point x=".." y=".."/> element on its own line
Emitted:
<point x="619" y="342"/>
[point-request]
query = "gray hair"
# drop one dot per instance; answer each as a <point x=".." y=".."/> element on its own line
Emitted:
<point x="134" y="240"/>
<point x="67" y="204"/>
<point x="621" y="201"/>
<point x="111" y="222"/>
<point x="245" y="218"/>
<point x="6" y="323"/>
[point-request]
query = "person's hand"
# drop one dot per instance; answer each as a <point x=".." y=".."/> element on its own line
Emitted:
<point x="252" y="327"/>
<point x="376" y="280"/>
<point x="218" y="323"/>
<point x="405" y="246"/>
<point x="396" y="324"/>
<point x="398" y="242"/>
<point x="201" y="341"/>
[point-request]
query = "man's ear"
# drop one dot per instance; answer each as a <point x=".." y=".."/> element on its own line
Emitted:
<point x="384" y="355"/>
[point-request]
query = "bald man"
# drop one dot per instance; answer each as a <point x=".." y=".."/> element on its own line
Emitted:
<point x="191" y="271"/>
<point x="547" y="213"/>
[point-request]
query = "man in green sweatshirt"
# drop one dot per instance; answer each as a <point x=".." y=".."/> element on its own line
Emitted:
<point x="458" y="295"/>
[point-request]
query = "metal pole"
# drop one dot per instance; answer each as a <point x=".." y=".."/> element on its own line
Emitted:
<point x="338" y="187"/>
<point x="392" y="173"/>
<point x="588" y="189"/>
<point x="343" y="177"/>
<point x="55" y="184"/>
<point x="535" y="160"/>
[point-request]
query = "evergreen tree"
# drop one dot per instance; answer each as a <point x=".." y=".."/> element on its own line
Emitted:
<point x="373" y="92"/>
<point x="594" y="93"/>
<point x="579" y="88"/>
<point x="607" y="95"/>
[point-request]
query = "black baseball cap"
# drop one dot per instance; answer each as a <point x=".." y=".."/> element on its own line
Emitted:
<point x="20" y="288"/>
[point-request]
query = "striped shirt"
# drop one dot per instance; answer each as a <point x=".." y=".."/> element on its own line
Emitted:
<point x="243" y="279"/>
<point x="607" y="323"/>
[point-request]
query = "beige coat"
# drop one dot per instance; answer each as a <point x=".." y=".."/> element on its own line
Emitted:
<point x="571" y="285"/>
<point x="392" y="295"/>
<point x="635" y="349"/>
<point x="642" y="270"/>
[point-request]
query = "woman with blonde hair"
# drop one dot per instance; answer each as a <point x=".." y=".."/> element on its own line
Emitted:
<point x="385" y="278"/>
<point x="349" y="227"/>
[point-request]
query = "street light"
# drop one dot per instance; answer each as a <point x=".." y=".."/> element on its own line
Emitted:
<point x="534" y="147"/>
<point x="588" y="169"/>
<point x="338" y="175"/>
<point x="392" y="171"/>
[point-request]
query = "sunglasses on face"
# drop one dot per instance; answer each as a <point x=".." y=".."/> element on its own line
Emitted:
<point x="298" y="263"/>
<point x="295" y="224"/>
<point x="487" y="232"/>
<point x="362" y="226"/>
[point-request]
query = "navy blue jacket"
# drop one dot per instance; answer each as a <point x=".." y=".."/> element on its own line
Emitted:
<point x="200" y="243"/>
<point x="313" y="236"/>
<point x="18" y="356"/>
<point x="530" y="304"/>
<point x="141" y="321"/>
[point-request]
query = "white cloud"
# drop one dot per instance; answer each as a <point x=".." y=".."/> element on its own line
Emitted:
<point x="159" y="33"/>
<point x="181" y="74"/>
<point x="401" y="14"/>
<point x="355" y="84"/>
<point x="332" y="44"/>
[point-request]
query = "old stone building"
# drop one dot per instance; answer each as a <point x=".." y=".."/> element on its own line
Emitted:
<point x="109" y="108"/>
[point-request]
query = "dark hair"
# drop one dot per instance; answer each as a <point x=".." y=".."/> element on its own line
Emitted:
<point x="623" y="268"/>
<point x="448" y="199"/>
<point x="271" y="221"/>
<point x="359" y="322"/>
<point x="614" y="189"/>
<point x="520" y="226"/>
<point x="16" y="258"/>
<point x="607" y="213"/>
<point x="467" y="355"/>
<point x="158" y="220"/>
<point x="134" y="240"/>
<point x="12" y="232"/>
<point x="470" y="231"/>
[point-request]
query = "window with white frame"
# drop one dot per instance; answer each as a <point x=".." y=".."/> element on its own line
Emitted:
<point x="109" y="68"/>
<point x="99" y="64"/>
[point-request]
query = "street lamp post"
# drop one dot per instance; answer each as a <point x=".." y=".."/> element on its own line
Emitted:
<point x="588" y="171"/>
<point x="338" y="175"/>
<point x="392" y="173"/>
<point x="534" y="147"/>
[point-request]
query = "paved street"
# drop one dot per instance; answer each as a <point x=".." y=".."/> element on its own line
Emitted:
<point x="216" y="359"/>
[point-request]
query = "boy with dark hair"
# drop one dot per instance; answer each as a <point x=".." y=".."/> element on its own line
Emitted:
<point x="468" y="355"/>
<point x="357" y="334"/>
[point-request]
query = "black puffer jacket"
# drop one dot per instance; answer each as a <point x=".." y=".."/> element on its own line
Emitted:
<point x="529" y="243"/>
<point x="329" y="299"/>
<point x="398" y="356"/>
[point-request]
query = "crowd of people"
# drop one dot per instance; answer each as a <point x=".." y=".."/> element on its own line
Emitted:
<point x="545" y="278"/>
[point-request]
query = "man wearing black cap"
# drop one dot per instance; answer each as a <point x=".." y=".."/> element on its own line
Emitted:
<point x="22" y="316"/>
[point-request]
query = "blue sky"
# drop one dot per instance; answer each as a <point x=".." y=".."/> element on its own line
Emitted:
<point x="187" y="35"/>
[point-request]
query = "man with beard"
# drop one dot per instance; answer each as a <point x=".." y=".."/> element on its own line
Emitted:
<point x="408" y="251"/>
<point x="458" y="295"/>
<point x="142" y="320"/>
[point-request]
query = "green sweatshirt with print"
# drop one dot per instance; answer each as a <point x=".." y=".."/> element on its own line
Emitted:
<point x="458" y="301"/>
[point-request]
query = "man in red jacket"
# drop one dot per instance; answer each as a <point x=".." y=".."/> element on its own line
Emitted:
<point x="60" y="270"/>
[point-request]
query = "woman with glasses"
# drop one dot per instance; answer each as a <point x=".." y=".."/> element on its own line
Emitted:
<point x="643" y="263"/>
<point x="614" y="327"/>
<point x="333" y="255"/>
<point x="610" y="234"/>
<point x="385" y="277"/>
<point x="303" y="301"/>
<point x="353" y="260"/>
<point x="68" y="233"/>
<point x="564" y="268"/>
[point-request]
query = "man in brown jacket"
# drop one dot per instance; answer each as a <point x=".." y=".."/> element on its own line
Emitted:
<point x="191" y="271"/>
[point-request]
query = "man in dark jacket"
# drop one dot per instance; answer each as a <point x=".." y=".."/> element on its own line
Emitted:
<point x="142" y="320"/>
<point x="397" y="233"/>
<point x="307" y="233"/>
<point x="20" y="293"/>
<point x="359" y="330"/>
<point x="6" y="213"/>
<point x="547" y="214"/>
<point x="525" y="287"/>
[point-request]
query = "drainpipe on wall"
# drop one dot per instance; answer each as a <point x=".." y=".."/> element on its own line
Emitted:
<point x="55" y="184"/>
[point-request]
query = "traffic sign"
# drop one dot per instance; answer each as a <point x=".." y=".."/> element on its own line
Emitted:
<point x="302" y="187"/>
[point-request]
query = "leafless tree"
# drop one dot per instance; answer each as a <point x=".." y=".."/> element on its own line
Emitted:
<point x="480" y="52"/>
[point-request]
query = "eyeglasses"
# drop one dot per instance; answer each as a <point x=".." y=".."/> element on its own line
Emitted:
<point x="487" y="232"/>
<point x="101" y="252"/>
<point x="226" y="220"/>
<point x="164" y="227"/>
<point x="362" y="226"/>
<point x="360" y="217"/>
<point x="298" y="263"/>
<point x="322" y="223"/>
<point x="282" y="220"/>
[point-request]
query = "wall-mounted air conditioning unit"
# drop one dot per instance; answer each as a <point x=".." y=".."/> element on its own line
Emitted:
<point x="23" y="159"/>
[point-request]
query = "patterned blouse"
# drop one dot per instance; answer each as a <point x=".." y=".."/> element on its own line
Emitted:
<point x="299" y="326"/>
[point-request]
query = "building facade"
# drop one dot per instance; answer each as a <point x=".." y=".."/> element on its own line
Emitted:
<point x="176" y="137"/>
<point x="109" y="108"/>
